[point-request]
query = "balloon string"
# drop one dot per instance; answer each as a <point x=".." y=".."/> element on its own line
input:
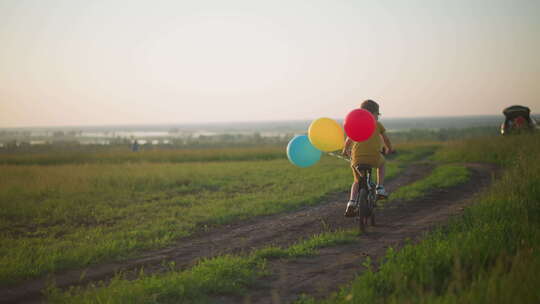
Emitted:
<point x="339" y="156"/>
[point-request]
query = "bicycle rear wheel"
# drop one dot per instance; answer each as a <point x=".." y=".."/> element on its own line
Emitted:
<point x="372" y="203"/>
<point x="363" y="209"/>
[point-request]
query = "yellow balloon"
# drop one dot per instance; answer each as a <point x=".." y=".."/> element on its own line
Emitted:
<point x="326" y="134"/>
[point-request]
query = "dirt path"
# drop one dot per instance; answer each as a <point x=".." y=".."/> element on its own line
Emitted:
<point x="395" y="224"/>
<point x="335" y="267"/>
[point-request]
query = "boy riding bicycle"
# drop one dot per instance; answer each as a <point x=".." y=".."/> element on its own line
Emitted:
<point x="368" y="153"/>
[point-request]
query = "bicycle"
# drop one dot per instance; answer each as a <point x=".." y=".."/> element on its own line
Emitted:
<point x="366" y="199"/>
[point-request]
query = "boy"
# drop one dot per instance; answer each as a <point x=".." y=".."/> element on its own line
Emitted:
<point x="368" y="152"/>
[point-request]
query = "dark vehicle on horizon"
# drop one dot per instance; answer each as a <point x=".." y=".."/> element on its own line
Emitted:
<point x="517" y="120"/>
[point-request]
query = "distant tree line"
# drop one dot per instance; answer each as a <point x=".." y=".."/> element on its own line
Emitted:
<point x="228" y="140"/>
<point x="442" y="134"/>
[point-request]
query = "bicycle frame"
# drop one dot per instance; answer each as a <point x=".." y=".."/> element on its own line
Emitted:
<point x="366" y="197"/>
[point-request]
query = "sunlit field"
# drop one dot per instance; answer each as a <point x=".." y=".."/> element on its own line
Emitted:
<point x="490" y="255"/>
<point x="66" y="211"/>
<point x="121" y="154"/>
<point x="56" y="217"/>
<point x="70" y="213"/>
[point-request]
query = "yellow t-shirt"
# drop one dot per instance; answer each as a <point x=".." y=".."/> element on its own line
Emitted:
<point x="369" y="149"/>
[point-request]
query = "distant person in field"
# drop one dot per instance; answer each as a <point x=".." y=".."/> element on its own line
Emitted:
<point x="368" y="152"/>
<point x="135" y="146"/>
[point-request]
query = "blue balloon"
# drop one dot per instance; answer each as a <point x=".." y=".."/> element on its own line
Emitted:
<point x="301" y="152"/>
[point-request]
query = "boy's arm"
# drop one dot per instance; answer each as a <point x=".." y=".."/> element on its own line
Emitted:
<point x="346" y="148"/>
<point x="387" y="143"/>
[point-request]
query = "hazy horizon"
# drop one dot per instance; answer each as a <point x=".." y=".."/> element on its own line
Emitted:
<point x="446" y="121"/>
<point x="90" y="63"/>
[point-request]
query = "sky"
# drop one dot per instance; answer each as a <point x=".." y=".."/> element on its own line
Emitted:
<point x="111" y="62"/>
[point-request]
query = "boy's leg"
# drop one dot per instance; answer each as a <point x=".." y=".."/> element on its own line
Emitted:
<point x="380" y="174"/>
<point x="381" y="192"/>
<point x="355" y="185"/>
<point x="351" y="205"/>
<point x="354" y="191"/>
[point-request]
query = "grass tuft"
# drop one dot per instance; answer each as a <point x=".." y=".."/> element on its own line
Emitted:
<point x="444" y="176"/>
<point x="309" y="246"/>
<point x="225" y="274"/>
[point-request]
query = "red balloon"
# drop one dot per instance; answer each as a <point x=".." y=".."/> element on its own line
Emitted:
<point x="359" y="124"/>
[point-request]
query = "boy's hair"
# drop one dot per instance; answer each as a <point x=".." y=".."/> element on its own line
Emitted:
<point x="371" y="106"/>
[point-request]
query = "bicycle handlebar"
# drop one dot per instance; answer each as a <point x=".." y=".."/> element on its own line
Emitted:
<point x="339" y="156"/>
<point x="349" y="160"/>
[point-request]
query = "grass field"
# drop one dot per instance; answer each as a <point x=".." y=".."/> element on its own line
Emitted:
<point x="232" y="274"/>
<point x="67" y="211"/>
<point x="57" y="217"/>
<point x="490" y="255"/>
<point x="120" y="155"/>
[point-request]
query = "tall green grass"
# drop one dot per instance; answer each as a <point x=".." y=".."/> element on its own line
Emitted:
<point x="503" y="150"/>
<point x="59" y="213"/>
<point x="118" y="155"/>
<point x="115" y="155"/>
<point x="442" y="177"/>
<point x="58" y="217"/>
<point x="308" y="247"/>
<point x="225" y="274"/>
<point x="490" y="255"/>
<point x="417" y="151"/>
